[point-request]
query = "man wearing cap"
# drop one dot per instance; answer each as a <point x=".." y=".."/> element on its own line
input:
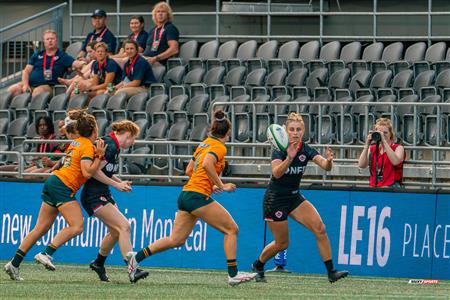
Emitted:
<point x="101" y="33"/>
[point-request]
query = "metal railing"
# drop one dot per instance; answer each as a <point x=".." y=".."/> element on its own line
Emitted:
<point x="21" y="39"/>
<point x="321" y="15"/>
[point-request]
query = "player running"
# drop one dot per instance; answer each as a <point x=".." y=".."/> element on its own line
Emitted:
<point x="58" y="196"/>
<point x="195" y="200"/>
<point x="97" y="201"/>
<point x="282" y="199"/>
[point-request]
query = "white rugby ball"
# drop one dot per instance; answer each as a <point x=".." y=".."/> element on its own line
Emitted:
<point x="278" y="137"/>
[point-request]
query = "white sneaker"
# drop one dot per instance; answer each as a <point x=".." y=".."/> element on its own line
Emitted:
<point x="132" y="265"/>
<point x="45" y="260"/>
<point x="241" y="277"/>
<point x="13" y="272"/>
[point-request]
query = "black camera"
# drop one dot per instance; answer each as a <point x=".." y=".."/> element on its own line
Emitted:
<point x="376" y="137"/>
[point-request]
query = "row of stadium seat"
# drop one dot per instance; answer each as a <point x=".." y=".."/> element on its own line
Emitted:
<point x="291" y="55"/>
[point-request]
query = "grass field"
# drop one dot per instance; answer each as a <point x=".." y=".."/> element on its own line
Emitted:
<point x="77" y="282"/>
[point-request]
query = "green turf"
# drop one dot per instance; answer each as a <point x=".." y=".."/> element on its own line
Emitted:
<point x="77" y="282"/>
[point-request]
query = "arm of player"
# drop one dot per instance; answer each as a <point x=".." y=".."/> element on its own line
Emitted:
<point x="26" y="77"/>
<point x="190" y="168"/>
<point x="89" y="167"/>
<point x="279" y="166"/>
<point x="121" y="186"/>
<point x="324" y="163"/>
<point x="208" y="165"/>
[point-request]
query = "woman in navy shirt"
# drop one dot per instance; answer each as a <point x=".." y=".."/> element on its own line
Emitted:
<point x="137" y="72"/>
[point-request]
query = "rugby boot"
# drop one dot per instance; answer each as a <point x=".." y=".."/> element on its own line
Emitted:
<point x="13" y="272"/>
<point x="100" y="270"/>
<point x="241" y="277"/>
<point x="335" y="275"/>
<point x="134" y="273"/>
<point x="260" y="277"/>
<point x="45" y="260"/>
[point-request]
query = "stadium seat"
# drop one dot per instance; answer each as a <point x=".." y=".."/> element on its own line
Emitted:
<point x="74" y="49"/>
<point x="275" y="79"/>
<point x="188" y="50"/>
<point x="16" y="131"/>
<point x="226" y="51"/>
<point x="194" y="76"/>
<point x="200" y="126"/>
<point x="371" y="53"/>
<point x="115" y="102"/>
<point x="262" y="123"/>
<point x="304" y="93"/>
<point x="349" y="53"/>
<point x="245" y="51"/>
<point x="402" y="80"/>
<point x="280" y="109"/>
<point x="178" y="132"/>
<point x="242" y="130"/>
<point x="207" y="51"/>
<point x="413" y="53"/>
<point x="423" y="80"/>
<point x="98" y="102"/>
<point x="328" y="52"/>
<point x="38" y="102"/>
<point x="358" y="81"/>
<point x="5" y="100"/>
<point x="135" y="104"/>
<point x="295" y="78"/>
<point x="308" y="52"/>
<point x="221" y="99"/>
<point x="287" y="51"/>
<point x="20" y="101"/>
<point x="159" y="71"/>
<point x="212" y="77"/>
<point x="391" y="53"/>
<point x="57" y="103"/>
<point x="154" y="105"/>
<point x="198" y="104"/>
<point x="173" y="76"/>
<point x="176" y="104"/>
<point x="254" y="79"/>
<point x="434" y="53"/>
<point x="4" y="146"/>
<point x="379" y="80"/>
<point x="76" y="102"/>
<point x="440" y="66"/>
<point x="233" y="78"/>
<point x="138" y="165"/>
<point x="143" y="126"/>
<point x="265" y="52"/>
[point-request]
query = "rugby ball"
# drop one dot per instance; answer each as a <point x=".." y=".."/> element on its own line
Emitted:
<point x="278" y="137"/>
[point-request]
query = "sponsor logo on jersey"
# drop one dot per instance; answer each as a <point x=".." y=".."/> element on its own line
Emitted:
<point x="279" y="214"/>
<point x="302" y="157"/>
<point x="112" y="167"/>
<point x="203" y="145"/>
<point x="295" y="170"/>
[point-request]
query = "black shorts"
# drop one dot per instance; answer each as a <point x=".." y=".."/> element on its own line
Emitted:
<point x="277" y="207"/>
<point x="93" y="203"/>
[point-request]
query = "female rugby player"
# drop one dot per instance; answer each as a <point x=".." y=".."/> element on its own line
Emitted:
<point x="195" y="200"/>
<point x="282" y="199"/>
<point x="97" y="201"/>
<point x="58" y="196"/>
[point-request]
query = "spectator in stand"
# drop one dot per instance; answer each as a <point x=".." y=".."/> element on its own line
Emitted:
<point x="45" y="67"/>
<point x="46" y="131"/>
<point x="104" y="71"/>
<point x="138" y="34"/>
<point x="85" y="73"/>
<point x="384" y="157"/>
<point x="101" y="33"/>
<point x="137" y="75"/>
<point x="162" y="40"/>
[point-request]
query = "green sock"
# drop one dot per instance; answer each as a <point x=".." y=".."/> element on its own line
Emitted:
<point x="50" y="249"/>
<point x="144" y="253"/>
<point x="232" y="267"/>
<point x="18" y="257"/>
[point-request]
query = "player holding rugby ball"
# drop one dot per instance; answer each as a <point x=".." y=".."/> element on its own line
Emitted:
<point x="282" y="197"/>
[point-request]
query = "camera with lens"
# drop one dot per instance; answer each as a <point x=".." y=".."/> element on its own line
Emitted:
<point x="376" y="137"/>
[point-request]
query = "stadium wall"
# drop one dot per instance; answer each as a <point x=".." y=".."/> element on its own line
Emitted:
<point x="372" y="233"/>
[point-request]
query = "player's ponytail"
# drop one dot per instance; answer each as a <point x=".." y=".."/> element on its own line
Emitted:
<point x="126" y="126"/>
<point x="220" y="125"/>
<point x="86" y="123"/>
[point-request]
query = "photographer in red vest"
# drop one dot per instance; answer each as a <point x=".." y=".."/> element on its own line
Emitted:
<point x="384" y="157"/>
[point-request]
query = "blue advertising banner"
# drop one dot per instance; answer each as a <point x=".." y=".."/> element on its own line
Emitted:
<point x="371" y="233"/>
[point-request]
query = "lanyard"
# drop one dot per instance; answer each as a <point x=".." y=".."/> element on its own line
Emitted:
<point x="44" y="63"/>
<point x="130" y="67"/>
<point x="134" y="37"/>
<point x="101" y="35"/>
<point x="100" y="66"/>
<point x="160" y="33"/>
